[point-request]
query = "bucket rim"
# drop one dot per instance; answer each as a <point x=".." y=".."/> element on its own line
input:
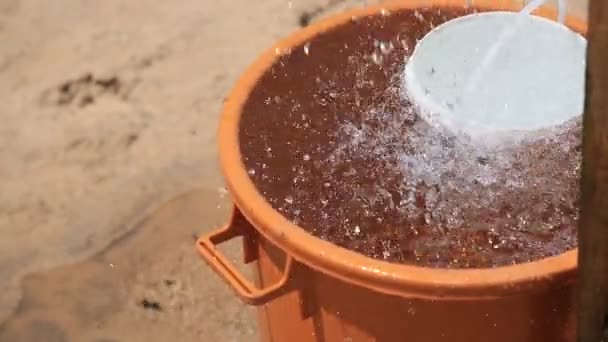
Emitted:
<point x="349" y="266"/>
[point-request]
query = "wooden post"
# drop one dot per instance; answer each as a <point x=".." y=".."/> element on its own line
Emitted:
<point x="593" y="225"/>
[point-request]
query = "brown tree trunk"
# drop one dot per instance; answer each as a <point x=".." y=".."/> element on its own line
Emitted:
<point x="593" y="225"/>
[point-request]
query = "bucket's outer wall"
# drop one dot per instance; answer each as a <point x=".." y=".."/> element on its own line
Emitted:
<point x="320" y="308"/>
<point x="324" y="306"/>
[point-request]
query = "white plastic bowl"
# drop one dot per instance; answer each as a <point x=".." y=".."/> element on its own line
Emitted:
<point x="497" y="75"/>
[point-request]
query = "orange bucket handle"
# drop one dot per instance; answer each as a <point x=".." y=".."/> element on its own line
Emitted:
<point x="247" y="292"/>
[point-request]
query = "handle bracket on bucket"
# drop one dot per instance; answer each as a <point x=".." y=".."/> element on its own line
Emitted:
<point x="247" y="291"/>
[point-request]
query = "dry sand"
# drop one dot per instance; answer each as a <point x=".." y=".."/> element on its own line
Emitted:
<point x="108" y="110"/>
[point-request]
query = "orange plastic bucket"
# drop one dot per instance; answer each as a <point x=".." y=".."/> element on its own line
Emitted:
<point x="308" y="289"/>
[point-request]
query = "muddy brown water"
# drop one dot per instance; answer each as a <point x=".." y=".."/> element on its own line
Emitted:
<point x="331" y="142"/>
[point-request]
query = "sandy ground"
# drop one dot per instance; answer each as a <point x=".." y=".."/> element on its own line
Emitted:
<point x="109" y="110"/>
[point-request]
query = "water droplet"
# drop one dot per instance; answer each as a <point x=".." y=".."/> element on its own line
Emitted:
<point x="357" y="230"/>
<point x="307" y="48"/>
<point x="222" y="192"/>
<point x="251" y="172"/>
<point x="377" y="58"/>
<point x="386" y="47"/>
<point x="306" y="157"/>
<point x="289" y="200"/>
<point x="427" y="218"/>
